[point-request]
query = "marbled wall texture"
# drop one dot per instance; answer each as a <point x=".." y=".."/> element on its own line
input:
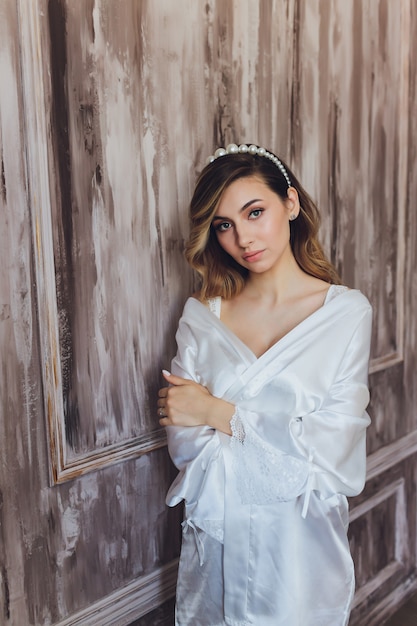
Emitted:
<point x="137" y="93"/>
<point x="140" y="93"/>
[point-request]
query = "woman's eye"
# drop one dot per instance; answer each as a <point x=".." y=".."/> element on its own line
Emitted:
<point x="255" y="213"/>
<point x="223" y="226"/>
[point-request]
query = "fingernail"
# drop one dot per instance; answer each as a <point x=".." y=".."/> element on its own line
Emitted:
<point x="166" y="372"/>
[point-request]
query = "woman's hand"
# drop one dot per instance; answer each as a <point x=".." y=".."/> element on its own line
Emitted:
<point x="186" y="403"/>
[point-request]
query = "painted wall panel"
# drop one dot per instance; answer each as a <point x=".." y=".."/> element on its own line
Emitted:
<point x="114" y="125"/>
<point x="110" y="111"/>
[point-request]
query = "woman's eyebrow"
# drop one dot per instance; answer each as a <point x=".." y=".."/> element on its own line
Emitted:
<point x="245" y="206"/>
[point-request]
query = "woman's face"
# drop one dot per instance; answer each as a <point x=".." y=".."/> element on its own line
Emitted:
<point x="252" y="224"/>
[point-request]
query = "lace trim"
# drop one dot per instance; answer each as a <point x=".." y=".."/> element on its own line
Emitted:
<point x="237" y="428"/>
<point x="214" y="305"/>
<point x="334" y="291"/>
<point x="265" y="474"/>
<point x="214" y="528"/>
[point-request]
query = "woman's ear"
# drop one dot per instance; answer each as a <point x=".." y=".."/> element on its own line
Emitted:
<point x="293" y="203"/>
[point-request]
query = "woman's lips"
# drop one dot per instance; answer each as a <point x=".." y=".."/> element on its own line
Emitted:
<point x="250" y="257"/>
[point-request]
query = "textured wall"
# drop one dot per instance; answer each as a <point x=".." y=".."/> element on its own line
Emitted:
<point x="129" y="132"/>
<point x="134" y="96"/>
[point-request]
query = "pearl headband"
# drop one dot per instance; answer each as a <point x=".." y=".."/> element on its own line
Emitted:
<point x="233" y="148"/>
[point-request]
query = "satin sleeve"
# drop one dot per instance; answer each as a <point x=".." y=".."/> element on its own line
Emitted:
<point x="279" y="457"/>
<point x="194" y="450"/>
<point x="185" y="444"/>
<point x="334" y="437"/>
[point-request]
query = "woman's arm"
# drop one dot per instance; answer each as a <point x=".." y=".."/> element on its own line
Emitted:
<point x="192" y="438"/>
<point x="334" y="436"/>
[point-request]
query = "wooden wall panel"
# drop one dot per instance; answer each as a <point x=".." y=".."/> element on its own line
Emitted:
<point x="351" y="141"/>
<point x="383" y="539"/>
<point x="410" y="240"/>
<point x="118" y="255"/>
<point x="110" y="111"/>
<point x="105" y="535"/>
<point x="107" y="219"/>
<point x="105" y="94"/>
<point x="21" y="445"/>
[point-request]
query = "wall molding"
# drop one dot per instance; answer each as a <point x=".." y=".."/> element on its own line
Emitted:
<point x="35" y="118"/>
<point x="391" y="602"/>
<point x="129" y="603"/>
<point x="396" y="488"/>
<point x="40" y="203"/>
<point x="389" y="360"/>
<point x="390" y="455"/>
<point x="398" y="566"/>
<point x="61" y="467"/>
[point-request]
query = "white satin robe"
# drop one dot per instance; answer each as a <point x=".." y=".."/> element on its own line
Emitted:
<point x="266" y="514"/>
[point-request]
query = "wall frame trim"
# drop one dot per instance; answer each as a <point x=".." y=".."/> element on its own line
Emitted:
<point x="390" y="455"/>
<point x="131" y="602"/>
<point x="37" y="164"/>
<point x="61" y="468"/>
<point x="394" y="358"/>
<point x="391" y="602"/>
<point x="398" y="565"/>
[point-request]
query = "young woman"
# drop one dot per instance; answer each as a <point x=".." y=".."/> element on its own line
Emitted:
<point x="265" y="408"/>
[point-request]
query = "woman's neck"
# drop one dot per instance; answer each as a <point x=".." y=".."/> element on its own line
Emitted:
<point x="279" y="284"/>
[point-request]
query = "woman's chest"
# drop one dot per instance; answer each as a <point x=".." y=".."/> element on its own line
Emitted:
<point x="259" y="329"/>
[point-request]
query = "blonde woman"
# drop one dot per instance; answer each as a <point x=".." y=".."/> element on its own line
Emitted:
<point x="266" y="405"/>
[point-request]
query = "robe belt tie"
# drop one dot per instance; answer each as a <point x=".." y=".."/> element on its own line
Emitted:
<point x="309" y="483"/>
<point x="187" y="523"/>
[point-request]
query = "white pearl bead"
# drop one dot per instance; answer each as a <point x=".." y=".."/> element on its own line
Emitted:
<point x="243" y="148"/>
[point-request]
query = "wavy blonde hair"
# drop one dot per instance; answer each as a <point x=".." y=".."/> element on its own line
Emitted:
<point x="220" y="274"/>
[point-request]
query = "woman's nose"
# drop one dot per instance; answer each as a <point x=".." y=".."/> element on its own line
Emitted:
<point x="244" y="236"/>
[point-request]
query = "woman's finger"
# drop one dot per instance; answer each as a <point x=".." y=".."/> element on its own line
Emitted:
<point x="176" y="380"/>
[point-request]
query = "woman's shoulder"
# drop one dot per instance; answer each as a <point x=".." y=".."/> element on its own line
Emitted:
<point x="206" y="301"/>
<point x="334" y="291"/>
<point x="195" y="304"/>
<point x="213" y="304"/>
<point x="351" y="300"/>
<point x="197" y="295"/>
